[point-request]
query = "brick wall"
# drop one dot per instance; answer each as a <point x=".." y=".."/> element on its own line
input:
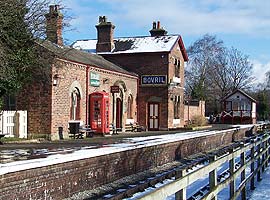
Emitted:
<point x="49" y="105"/>
<point x="158" y="63"/>
<point x="128" y="86"/>
<point x="71" y="76"/>
<point x="179" y="90"/>
<point x="194" y="110"/>
<point x="63" y="180"/>
<point x="36" y="99"/>
<point x="73" y="72"/>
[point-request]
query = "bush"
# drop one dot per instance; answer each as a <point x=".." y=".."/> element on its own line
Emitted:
<point x="198" y="120"/>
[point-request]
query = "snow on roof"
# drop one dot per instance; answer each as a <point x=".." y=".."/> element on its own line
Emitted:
<point x="131" y="143"/>
<point x="133" y="44"/>
<point x="86" y="45"/>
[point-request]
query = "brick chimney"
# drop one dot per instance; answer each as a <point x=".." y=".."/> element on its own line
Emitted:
<point x="157" y="30"/>
<point x="54" y="25"/>
<point x="105" y="32"/>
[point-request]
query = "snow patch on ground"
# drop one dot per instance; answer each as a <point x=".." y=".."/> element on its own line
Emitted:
<point x="131" y="143"/>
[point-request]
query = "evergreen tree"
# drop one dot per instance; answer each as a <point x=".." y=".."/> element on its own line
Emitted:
<point x="263" y="110"/>
<point x="22" y="25"/>
<point x="17" y="46"/>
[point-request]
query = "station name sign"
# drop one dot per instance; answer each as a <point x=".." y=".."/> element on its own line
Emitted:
<point x="94" y="79"/>
<point x="153" y="79"/>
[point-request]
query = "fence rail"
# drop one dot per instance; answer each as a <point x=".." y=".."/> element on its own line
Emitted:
<point x="13" y="123"/>
<point x="254" y="154"/>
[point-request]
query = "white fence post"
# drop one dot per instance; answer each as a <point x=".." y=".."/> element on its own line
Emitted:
<point x="1" y="122"/>
<point x="22" y="124"/>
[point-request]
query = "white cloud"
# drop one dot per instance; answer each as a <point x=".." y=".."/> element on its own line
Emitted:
<point x="259" y="70"/>
<point x="195" y="16"/>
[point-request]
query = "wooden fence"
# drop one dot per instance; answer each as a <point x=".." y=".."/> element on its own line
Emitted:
<point x="254" y="154"/>
<point x="13" y="123"/>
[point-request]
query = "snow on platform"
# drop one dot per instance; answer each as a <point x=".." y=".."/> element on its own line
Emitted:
<point x="129" y="144"/>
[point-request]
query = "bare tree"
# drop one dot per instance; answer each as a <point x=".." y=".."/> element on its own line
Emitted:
<point x="202" y="56"/>
<point x="240" y="70"/>
<point x="214" y="71"/>
<point x="267" y="82"/>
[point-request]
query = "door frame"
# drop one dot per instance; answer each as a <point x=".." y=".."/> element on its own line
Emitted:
<point x="148" y="116"/>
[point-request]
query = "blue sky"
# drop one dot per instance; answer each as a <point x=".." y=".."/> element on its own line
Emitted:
<point x="243" y="24"/>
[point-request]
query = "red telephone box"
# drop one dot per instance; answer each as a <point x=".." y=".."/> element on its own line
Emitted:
<point x="99" y="112"/>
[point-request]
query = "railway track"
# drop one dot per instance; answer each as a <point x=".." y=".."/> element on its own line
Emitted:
<point x="189" y="164"/>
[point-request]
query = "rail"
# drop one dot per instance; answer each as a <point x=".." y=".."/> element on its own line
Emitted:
<point x="254" y="151"/>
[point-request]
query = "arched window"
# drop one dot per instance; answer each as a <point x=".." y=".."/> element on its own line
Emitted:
<point x="75" y="108"/>
<point x="129" y="107"/>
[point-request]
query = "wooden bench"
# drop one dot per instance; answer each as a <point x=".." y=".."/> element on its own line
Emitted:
<point x="78" y="135"/>
<point x="83" y="130"/>
<point x="87" y="131"/>
<point x="114" y="130"/>
<point x="133" y="127"/>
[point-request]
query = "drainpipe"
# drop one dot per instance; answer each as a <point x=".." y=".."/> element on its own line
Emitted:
<point x="86" y="93"/>
<point x="138" y="82"/>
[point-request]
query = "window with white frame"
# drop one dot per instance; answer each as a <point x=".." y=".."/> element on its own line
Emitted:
<point x="75" y="108"/>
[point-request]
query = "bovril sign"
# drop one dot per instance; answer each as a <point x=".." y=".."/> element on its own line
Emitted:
<point x="153" y="79"/>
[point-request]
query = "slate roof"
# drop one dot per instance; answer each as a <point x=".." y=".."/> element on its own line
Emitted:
<point x="82" y="57"/>
<point x="144" y="44"/>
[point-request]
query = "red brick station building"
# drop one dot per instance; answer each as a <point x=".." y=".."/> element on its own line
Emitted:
<point x="108" y="80"/>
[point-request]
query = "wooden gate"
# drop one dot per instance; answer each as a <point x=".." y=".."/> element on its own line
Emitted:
<point x="14" y="123"/>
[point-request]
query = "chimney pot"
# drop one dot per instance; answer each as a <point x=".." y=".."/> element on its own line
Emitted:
<point x="51" y="8"/>
<point x="56" y="8"/>
<point x="100" y="19"/>
<point x="158" y="25"/>
<point x="154" y="25"/>
<point x="157" y="30"/>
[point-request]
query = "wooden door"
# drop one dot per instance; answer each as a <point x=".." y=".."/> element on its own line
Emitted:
<point x="119" y="113"/>
<point x="153" y="116"/>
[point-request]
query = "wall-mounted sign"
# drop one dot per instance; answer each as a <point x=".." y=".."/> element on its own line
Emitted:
<point x="115" y="89"/>
<point x="153" y="79"/>
<point x="94" y="79"/>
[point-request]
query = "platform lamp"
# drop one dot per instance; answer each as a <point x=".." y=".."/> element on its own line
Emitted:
<point x="56" y="79"/>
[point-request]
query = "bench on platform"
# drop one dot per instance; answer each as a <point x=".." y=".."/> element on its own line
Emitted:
<point x="87" y="131"/>
<point x="81" y="132"/>
<point x="114" y="130"/>
<point x="133" y="127"/>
